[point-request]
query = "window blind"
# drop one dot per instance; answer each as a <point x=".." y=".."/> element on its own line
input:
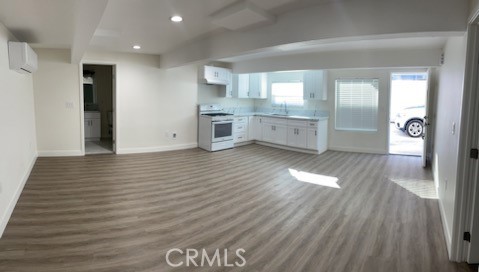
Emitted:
<point x="357" y="104"/>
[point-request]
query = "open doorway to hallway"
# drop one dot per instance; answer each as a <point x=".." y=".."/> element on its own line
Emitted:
<point x="407" y="112"/>
<point x="98" y="105"/>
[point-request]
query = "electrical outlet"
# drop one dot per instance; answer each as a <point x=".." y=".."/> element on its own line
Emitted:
<point x="69" y="105"/>
<point x="173" y="135"/>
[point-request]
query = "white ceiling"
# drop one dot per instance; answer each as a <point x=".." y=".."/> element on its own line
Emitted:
<point x="42" y="23"/>
<point x="147" y="23"/>
<point x="51" y="23"/>
<point x="117" y="25"/>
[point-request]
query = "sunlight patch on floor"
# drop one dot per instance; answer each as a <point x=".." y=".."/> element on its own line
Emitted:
<point x="315" y="178"/>
<point x="421" y="188"/>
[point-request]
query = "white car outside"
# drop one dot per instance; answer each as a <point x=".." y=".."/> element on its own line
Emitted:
<point x="410" y="120"/>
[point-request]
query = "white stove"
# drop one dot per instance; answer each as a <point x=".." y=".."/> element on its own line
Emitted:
<point x="215" y="128"/>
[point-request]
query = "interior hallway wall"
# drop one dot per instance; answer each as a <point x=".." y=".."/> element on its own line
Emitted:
<point x="447" y="127"/>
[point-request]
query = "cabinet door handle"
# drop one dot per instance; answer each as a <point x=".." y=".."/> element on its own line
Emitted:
<point x="297" y="131"/>
<point x="315" y="133"/>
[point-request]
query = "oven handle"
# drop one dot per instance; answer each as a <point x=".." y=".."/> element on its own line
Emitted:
<point x="222" y="122"/>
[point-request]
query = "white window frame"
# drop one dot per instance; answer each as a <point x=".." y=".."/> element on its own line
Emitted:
<point x="342" y="127"/>
<point x="288" y="104"/>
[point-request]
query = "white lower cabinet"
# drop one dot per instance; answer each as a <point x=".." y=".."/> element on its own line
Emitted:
<point x="301" y="134"/>
<point x="92" y="126"/>
<point x="240" y="129"/>
<point x="318" y="135"/>
<point x="256" y="128"/>
<point x="297" y="137"/>
<point x="312" y="139"/>
<point x="275" y="131"/>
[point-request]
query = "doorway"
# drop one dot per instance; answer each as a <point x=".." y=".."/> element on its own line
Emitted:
<point x="98" y="109"/>
<point x="407" y="112"/>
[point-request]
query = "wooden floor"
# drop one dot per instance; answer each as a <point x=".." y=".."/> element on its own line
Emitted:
<point x="123" y="213"/>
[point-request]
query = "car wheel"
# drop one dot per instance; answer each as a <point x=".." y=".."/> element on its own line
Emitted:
<point x="414" y="128"/>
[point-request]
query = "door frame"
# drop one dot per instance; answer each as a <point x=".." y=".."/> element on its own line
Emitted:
<point x="468" y="138"/>
<point x="418" y="70"/>
<point x="114" y="103"/>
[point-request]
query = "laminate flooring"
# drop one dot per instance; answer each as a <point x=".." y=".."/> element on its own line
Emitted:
<point x="289" y="211"/>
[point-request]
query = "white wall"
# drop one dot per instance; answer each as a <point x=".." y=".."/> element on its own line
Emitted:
<point x="17" y="137"/>
<point x="449" y="103"/>
<point x="151" y="102"/>
<point x="57" y="104"/>
<point x="356" y="141"/>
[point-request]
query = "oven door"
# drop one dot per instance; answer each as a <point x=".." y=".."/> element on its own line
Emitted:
<point x="221" y="131"/>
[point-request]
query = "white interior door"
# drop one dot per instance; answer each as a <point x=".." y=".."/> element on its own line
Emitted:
<point x="426" y="121"/>
<point x="473" y="252"/>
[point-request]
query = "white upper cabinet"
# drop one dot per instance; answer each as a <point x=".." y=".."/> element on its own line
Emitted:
<point x="249" y="85"/>
<point x="241" y="86"/>
<point x="315" y="85"/>
<point x="257" y="85"/>
<point x="215" y="75"/>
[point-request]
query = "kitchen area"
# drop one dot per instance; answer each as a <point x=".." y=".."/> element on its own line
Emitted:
<point x="285" y="109"/>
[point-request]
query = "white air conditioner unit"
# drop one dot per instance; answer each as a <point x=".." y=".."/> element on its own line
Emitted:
<point x="22" y="58"/>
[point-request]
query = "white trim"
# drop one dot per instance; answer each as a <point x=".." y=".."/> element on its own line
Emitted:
<point x="464" y="199"/>
<point x="358" y="150"/>
<point x="445" y="229"/>
<point x="82" y="111"/>
<point x="134" y="150"/>
<point x="309" y="151"/>
<point x="60" y="153"/>
<point x="114" y="102"/>
<point x="8" y="212"/>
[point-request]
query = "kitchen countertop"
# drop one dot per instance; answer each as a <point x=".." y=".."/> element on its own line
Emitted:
<point x="297" y="117"/>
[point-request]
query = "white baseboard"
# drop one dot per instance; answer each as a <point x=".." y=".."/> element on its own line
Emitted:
<point x="309" y="151"/>
<point x="446" y="229"/>
<point x="155" y="149"/>
<point x="358" y="150"/>
<point x="59" y="153"/>
<point x="5" y="217"/>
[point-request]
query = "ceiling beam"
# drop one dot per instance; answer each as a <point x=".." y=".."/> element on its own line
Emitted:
<point x="87" y="17"/>
<point x="332" y="21"/>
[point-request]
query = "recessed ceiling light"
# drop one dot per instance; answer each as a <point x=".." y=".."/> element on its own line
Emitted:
<point x="176" y="19"/>
<point x="136" y="47"/>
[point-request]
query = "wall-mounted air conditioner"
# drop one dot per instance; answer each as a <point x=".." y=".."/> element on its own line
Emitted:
<point x="22" y="58"/>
